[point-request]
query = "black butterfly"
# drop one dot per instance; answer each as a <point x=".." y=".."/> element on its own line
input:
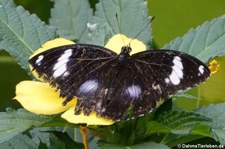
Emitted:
<point x="116" y="85"/>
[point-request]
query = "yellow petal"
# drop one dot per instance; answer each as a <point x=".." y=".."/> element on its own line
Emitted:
<point x="52" y="44"/>
<point x="40" y="98"/>
<point x="91" y="119"/>
<point x="118" y="41"/>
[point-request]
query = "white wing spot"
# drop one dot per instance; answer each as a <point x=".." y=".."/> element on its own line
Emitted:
<point x="174" y="78"/>
<point x="167" y="80"/>
<point x="177" y="58"/>
<point x="134" y="91"/>
<point x="177" y="72"/>
<point x="201" y="70"/>
<point x="177" y="62"/>
<point x="39" y="59"/>
<point x="65" y="55"/>
<point x="89" y="86"/>
<point x="61" y="66"/>
<point x="66" y="74"/>
<point x="58" y="72"/>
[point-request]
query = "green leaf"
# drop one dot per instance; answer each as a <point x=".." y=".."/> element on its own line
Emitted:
<point x="13" y="122"/>
<point x="184" y="95"/>
<point x="175" y="127"/>
<point x="204" y="42"/>
<point x="19" y="141"/>
<point x="75" y="134"/>
<point x="55" y="143"/>
<point x="217" y="114"/>
<point x="132" y="18"/>
<point x="183" y="122"/>
<point x="212" y="92"/>
<point x="71" y="18"/>
<point x="41" y="135"/>
<point x="69" y="143"/>
<point x="173" y="140"/>
<point x="53" y="137"/>
<point x="120" y="133"/>
<point x="154" y="127"/>
<point x="147" y="145"/>
<point x="21" y="33"/>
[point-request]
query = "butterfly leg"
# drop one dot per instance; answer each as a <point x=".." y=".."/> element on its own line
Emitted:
<point x="84" y="135"/>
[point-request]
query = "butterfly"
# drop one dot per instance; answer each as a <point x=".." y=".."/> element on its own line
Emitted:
<point x="117" y="85"/>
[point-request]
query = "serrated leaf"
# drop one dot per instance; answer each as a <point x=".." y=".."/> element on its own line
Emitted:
<point x="154" y="127"/>
<point x="55" y="143"/>
<point x="132" y="18"/>
<point x="20" y="32"/>
<point x="75" y="134"/>
<point x="42" y="135"/>
<point x="147" y="145"/>
<point x="69" y="143"/>
<point x="172" y="140"/>
<point x="217" y="114"/>
<point x="119" y="134"/>
<point x="71" y="17"/>
<point x="19" y="142"/>
<point x="183" y="127"/>
<point x="184" y="95"/>
<point x="13" y="122"/>
<point x="204" y="42"/>
<point x="182" y="122"/>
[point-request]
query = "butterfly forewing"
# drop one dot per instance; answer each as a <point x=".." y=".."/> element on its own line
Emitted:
<point x="69" y="66"/>
<point x="169" y="71"/>
<point x="92" y="74"/>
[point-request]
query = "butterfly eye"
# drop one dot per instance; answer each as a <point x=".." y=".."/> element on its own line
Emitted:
<point x="125" y="50"/>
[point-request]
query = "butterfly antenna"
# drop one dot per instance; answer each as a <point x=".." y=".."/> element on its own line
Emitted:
<point x="142" y="29"/>
<point x="119" y="26"/>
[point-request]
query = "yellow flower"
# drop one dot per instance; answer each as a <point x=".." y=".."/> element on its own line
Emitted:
<point x="41" y="98"/>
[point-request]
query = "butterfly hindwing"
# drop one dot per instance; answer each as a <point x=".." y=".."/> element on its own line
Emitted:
<point x="92" y="74"/>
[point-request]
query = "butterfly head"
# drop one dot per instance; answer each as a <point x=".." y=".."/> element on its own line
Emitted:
<point x="125" y="50"/>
